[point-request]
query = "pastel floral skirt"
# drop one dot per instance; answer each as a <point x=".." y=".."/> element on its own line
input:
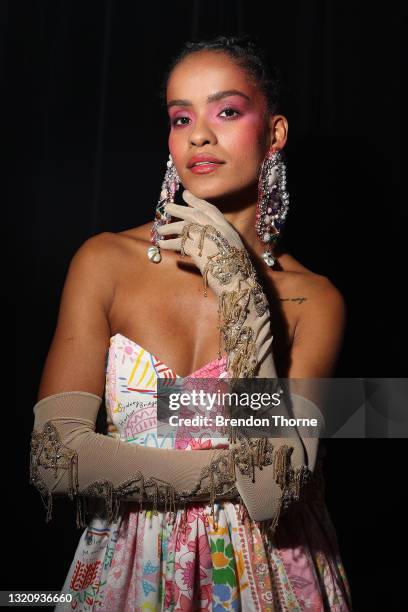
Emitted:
<point x="191" y="560"/>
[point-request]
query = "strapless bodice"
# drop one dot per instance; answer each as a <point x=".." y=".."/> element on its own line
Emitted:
<point x="131" y="391"/>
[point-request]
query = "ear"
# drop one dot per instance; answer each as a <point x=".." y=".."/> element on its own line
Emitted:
<point x="277" y="131"/>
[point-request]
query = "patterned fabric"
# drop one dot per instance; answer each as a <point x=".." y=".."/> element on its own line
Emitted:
<point x="190" y="560"/>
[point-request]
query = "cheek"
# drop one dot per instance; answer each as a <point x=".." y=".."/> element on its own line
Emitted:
<point x="247" y="138"/>
<point x="176" y="146"/>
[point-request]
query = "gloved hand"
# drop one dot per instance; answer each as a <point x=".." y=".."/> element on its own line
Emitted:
<point x="218" y="251"/>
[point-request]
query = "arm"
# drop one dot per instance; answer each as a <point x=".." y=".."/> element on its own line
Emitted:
<point x="319" y="332"/>
<point x="67" y="456"/>
<point x="317" y="344"/>
<point x="270" y="471"/>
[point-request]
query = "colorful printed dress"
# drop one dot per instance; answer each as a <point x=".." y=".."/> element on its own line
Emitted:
<point x="186" y="561"/>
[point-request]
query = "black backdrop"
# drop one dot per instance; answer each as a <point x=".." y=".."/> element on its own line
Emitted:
<point x="91" y="142"/>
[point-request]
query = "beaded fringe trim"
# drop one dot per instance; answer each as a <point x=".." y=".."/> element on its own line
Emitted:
<point x="216" y="480"/>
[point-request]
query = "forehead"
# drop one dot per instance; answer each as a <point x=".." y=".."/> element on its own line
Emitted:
<point x="205" y="72"/>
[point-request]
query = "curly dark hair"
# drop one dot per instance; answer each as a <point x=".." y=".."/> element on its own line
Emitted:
<point x="247" y="54"/>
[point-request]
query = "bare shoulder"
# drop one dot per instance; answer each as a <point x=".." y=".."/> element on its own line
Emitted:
<point x="140" y="233"/>
<point x="321" y="321"/>
<point x="111" y="244"/>
<point x="116" y="255"/>
<point x="321" y="290"/>
<point x="297" y="283"/>
<point x="99" y="249"/>
<point x="324" y="296"/>
<point x="118" y="244"/>
<point x="107" y="250"/>
<point x="98" y="262"/>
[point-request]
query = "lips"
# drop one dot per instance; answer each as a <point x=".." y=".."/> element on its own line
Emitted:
<point x="200" y="160"/>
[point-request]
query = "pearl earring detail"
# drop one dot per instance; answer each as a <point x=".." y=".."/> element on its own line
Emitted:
<point x="170" y="185"/>
<point x="273" y="202"/>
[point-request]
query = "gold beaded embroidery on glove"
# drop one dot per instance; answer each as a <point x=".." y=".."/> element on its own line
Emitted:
<point x="217" y="480"/>
<point x="254" y="453"/>
<point x="237" y="338"/>
<point x="47" y="452"/>
<point x="228" y="264"/>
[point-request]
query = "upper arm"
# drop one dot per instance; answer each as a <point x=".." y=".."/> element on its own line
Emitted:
<point x="76" y="358"/>
<point x="319" y="333"/>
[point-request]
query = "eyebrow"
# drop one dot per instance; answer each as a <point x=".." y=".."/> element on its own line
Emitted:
<point x="213" y="98"/>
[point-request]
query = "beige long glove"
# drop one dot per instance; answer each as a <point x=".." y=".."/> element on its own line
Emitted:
<point x="244" y="321"/>
<point x="68" y="458"/>
<point x="217" y="250"/>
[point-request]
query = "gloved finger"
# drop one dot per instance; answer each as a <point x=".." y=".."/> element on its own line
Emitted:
<point x="171" y="244"/>
<point x="202" y="205"/>
<point x="171" y="228"/>
<point x="182" y="212"/>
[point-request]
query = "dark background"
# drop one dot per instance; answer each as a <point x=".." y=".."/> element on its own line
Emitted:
<point x="91" y="146"/>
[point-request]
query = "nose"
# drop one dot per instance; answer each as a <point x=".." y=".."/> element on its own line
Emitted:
<point x="201" y="134"/>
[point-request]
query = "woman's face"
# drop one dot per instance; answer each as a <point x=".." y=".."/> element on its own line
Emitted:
<point x="215" y="109"/>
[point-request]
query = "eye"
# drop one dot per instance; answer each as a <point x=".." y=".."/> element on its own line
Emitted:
<point x="230" y="110"/>
<point x="174" y="122"/>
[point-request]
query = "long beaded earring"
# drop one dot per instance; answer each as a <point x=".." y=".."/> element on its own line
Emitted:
<point x="170" y="185"/>
<point x="273" y="202"/>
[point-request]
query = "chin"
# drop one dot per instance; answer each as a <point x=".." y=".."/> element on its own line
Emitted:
<point x="211" y="192"/>
<point x="206" y="194"/>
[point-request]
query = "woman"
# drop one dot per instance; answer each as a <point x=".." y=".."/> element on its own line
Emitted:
<point x="224" y="127"/>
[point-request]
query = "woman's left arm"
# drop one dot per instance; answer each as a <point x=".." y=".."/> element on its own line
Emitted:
<point x="272" y="471"/>
<point x="319" y="331"/>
